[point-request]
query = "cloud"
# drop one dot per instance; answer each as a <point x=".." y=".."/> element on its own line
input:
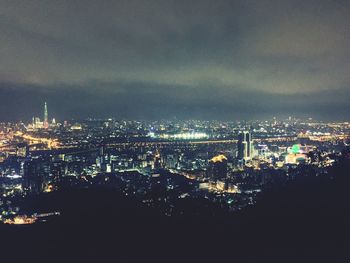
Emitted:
<point x="185" y="53"/>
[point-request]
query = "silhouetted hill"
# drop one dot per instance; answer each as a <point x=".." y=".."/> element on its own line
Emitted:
<point x="305" y="221"/>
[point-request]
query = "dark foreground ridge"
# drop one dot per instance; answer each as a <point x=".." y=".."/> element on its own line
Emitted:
<point x="306" y="221"/>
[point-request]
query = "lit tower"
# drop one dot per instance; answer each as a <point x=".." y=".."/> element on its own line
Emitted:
<point x="245" y="146"/>
<point x="46" y="117"/>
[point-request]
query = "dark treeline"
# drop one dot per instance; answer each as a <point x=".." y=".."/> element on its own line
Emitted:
<point x="303" y="221"/>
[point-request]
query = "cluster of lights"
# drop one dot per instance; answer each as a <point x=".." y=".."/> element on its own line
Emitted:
<point x="194" y="135"/>
<point x="21" y="220"/>
<point x="182" y="136"/>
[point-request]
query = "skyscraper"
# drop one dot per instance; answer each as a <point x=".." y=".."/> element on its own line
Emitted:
<point x="46" y="117"/>
<point x="245" y="146"/>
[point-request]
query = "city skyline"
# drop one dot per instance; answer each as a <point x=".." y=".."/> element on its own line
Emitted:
<point x="41" y="115"/>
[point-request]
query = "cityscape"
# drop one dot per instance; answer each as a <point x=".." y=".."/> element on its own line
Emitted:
<point x="164" y="164"/>
<point x="174" y="131"/>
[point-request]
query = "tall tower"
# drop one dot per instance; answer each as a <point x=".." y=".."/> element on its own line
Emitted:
<point x="46" y="117"/>
<point x="245" y="146"/>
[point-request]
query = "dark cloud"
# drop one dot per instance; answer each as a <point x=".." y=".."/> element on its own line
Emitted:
<point x="186" y="59"/>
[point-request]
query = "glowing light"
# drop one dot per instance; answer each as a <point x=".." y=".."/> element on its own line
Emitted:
<point x="151" y="134"/>
<point x="180" y="136"/>
<point x="218" y="158"/>
<point x="49" y="188"/>
<point x="21" y="220"/>
<point x="15" y="176"/>
<point x="296" y="148"/>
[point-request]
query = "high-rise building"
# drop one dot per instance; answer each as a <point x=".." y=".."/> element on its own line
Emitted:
<point x="46" y="117"/>
<point x="36" y="176"/>
<point x="171" y="161"/>
<point x="58" y="170"/>
<point x="245" y="146"/>
<point x="37" y="123"/>
<point x="157" y="163"/>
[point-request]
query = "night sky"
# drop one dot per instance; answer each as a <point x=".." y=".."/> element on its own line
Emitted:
<point x="205" y="59"/>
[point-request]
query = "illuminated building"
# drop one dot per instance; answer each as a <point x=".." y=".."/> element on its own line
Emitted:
<point x="46" y="117"/>
<point x="103" y="161"/>
<point x="76" y="127"/>
<point x="245" y="146"/>
<point x="21" y="220"/>
<point x="38" y="124"/>
<point x="171" y="161"/>
<point x="157" y="164"/>
<point x="295" y="158"/>
<point x="22" y="150"/>
<point x="36" y="176"/>
<point x="297" y="154"/>
<point x="262" y="149"/>
<point x="58" y="170"/>
<point x="218" y="167"/>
